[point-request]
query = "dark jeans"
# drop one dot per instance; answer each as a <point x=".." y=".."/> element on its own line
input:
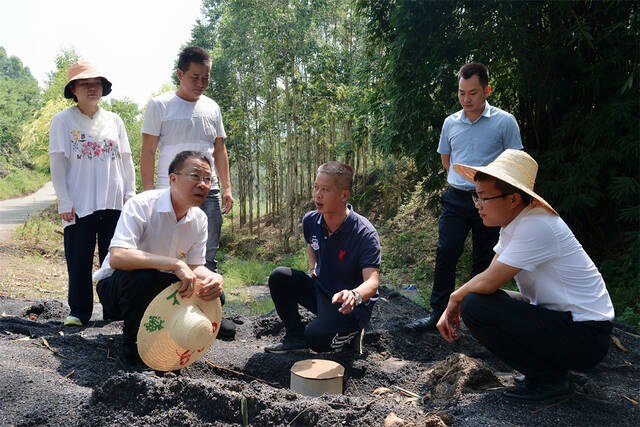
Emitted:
<point x="538" y="342"/>
<point x="458" y="216"/>
<point x="324" y="333"/>
<point x="125" y="295"/>
<point x="211" y="207"/>
<point x="79" y="248"/>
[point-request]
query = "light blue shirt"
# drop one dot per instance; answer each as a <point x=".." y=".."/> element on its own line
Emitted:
<point x="477" y="143"/>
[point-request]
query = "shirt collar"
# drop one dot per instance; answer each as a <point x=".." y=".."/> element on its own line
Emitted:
<point x="485" y="113"/>
<point x="164" y="205"/>
<point x="346" y="224"/>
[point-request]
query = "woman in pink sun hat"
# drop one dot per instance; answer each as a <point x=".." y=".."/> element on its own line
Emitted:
<point x="93" y="175"/>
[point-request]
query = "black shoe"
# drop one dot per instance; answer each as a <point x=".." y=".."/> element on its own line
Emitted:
<point x="286" y="345"/>
<point x="128" y="358"/>
<point x="426" y="323"/>
<point x="227" y="330"/>
<point x="537" y="390"/>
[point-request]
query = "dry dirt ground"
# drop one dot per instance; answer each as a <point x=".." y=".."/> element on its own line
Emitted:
<point x="51" y="375"/>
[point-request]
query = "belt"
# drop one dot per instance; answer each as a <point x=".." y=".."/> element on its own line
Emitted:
<point x="457" y="190"/>
<point x="601" y="325"/>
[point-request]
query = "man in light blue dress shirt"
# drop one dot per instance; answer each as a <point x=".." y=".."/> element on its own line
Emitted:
<point x="477" y="134"/>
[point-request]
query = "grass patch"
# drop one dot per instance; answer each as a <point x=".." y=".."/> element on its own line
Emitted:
<point x="20" y="182"/>
<point x="238" y="272"/>
<point x="41" y="234"/>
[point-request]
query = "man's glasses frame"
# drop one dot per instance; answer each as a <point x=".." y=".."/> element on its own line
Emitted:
<point x="483" y="200"/>
<point x="196" y="178"/>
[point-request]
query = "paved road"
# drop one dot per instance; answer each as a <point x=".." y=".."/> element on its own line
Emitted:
<point x="13" y="212"/>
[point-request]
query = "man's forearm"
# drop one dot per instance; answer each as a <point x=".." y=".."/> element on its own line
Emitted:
<point x="201" y="271"/>
<point x="221" y="163"/>
<point x="487" y="282"/>
<point x="148" y="160"/>
<point x="369" y="287"/>
<point x="135" y="259"/>
<point x="147" y="169"/>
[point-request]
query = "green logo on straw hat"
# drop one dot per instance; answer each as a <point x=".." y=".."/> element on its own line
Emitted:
<point x="154" y="324"/>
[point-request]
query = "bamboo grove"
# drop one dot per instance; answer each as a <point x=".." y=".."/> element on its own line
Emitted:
<point x="371" y="81"/>
<point x="289" y="77"/>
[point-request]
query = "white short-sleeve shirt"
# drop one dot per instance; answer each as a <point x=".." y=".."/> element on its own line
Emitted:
<point x="556" y="272"/>
<point x="148" y="223"/>
<point x="182" y="125"/>
<point x="93" y="148"/>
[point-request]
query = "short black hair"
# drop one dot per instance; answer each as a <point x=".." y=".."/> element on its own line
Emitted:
<point x="193" y="54"/>
<point x="503" y="187"/>
<point x="475" y="69"/>
<point x="178" y="162"/>
<point x="342" y="174"/>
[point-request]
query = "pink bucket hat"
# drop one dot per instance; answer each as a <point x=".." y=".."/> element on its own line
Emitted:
<point x="85" y="70"/>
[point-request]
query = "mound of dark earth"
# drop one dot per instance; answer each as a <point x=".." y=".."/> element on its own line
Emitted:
<point x="51" y="375"/>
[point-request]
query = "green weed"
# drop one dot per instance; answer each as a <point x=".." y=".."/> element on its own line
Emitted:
<point x="238" y="272"/>
<point x="42" y="233"/>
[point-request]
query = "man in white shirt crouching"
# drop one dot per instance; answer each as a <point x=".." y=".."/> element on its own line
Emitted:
<point x="560" y="319"/>
<point x="156" y="230"/>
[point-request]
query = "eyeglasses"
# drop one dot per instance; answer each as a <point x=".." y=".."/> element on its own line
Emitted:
<point x="196" y="178"/>
<point x="483" y="201"/>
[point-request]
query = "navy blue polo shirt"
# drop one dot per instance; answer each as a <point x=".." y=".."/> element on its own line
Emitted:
<point x="342" y="256"/>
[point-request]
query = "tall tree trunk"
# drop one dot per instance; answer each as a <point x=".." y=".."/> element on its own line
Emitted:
<point x="290" y="181"/>
<point x="296" y="194"/>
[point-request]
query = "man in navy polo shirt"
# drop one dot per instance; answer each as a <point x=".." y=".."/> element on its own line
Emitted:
<point x="342" y="284"/>
<point x="476" y="135"/>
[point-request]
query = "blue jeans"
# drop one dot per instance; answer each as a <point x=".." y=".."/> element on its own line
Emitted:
<point x="458" y="216"/>
<point x="211" y="207"/>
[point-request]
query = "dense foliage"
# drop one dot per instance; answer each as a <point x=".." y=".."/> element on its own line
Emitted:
<point x="19" y="99"/>
<point x="568" y="71"/>
<point x="289" y="76"/>
<point x="301" y="82"/>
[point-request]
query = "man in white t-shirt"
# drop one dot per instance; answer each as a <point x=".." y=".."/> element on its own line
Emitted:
<point x="155" y="231"/>
<point x="560" y="319"/>
<point x="189" y="120"/>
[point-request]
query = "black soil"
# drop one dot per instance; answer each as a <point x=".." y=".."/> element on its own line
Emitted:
<point x="51" y="375"/>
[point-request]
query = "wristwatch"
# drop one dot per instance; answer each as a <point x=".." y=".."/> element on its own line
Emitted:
<point x="357" y="296"/>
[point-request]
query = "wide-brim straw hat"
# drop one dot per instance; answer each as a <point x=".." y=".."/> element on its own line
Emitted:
<point x="514" y="167"/>
<point x="175" y="332"/>
<point x="85" y="70"/>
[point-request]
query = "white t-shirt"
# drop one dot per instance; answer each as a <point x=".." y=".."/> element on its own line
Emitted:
<point x="148" y="223"/>
<point x="182" y="125"/>
<point x="556" y="272"/>
<point x="93" y="148"/>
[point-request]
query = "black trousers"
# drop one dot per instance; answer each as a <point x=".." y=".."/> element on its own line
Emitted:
<point x="330" y="330"/>
<point x="457" y="218"/>
<point x="538" y="342"/>
<point x="79" y="248"/>
<point x="125" y="295"/>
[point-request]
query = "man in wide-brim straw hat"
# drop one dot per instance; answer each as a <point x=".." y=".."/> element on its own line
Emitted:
<point x="160" y="239"/>
<point x="560" y="319"/>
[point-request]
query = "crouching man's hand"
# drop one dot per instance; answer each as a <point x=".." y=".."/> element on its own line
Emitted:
<point x="210" y="287"/>
<point x="347" y="299"/>
<point x="449" y="322"/>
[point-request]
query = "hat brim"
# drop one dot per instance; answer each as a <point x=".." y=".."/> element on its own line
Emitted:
<point x="106" y="85"/>
<point x="469" y="172"/>
<point x="156" y="347"/>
